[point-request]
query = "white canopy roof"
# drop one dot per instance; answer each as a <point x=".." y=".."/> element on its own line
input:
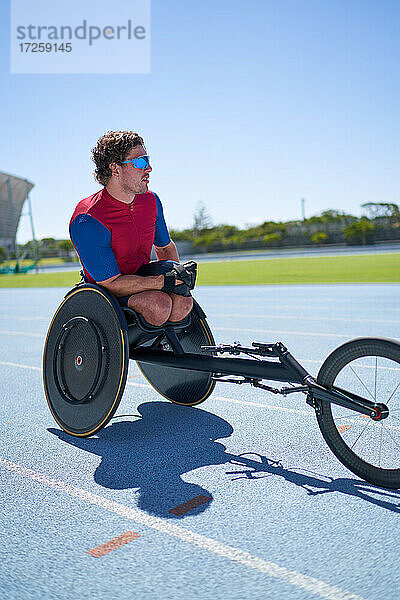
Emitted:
<point x="13" y="193"/>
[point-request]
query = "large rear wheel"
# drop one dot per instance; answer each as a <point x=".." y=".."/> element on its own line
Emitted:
<point x="369" y="367"/>
<point x="85" y="361"/>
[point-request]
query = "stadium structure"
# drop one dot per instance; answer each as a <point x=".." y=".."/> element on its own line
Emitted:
<point x="14" y="191"/>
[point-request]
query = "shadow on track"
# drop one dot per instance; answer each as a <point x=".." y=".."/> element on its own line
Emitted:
<point x="314" y="483"/>
<point x="152" y="453"/>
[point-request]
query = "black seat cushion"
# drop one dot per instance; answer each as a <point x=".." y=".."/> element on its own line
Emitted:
<point x="133" y="317"/>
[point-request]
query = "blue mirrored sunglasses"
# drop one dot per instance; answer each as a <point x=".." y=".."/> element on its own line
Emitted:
<point x="138" y="163"/>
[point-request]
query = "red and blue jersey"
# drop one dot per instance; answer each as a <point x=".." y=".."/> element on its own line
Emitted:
<point x="112" y="237"/>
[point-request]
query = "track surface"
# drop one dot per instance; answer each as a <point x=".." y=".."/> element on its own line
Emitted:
<point x="284" y="519"/>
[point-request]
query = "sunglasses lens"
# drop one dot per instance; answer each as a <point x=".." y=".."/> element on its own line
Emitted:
<point x="142" y="162"/>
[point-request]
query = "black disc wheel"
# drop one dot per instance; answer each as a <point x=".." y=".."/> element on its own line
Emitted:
<point x="85" y="361"/>
<point x="183" y="386"/>
<point x="370" y="368"/>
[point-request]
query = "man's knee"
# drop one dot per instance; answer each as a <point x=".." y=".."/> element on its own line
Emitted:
<point x="162" y="306"/>
<point x="181" y="307"/>
<point x="155" y="306"/>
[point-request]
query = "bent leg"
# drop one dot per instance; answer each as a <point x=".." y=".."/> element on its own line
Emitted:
<point x="153" y="305"/>
<point x="181" y="307"/>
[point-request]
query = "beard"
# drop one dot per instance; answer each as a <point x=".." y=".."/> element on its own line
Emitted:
<point x="139" y="188"/>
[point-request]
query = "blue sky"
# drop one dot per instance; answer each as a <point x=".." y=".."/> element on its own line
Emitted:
<point x="249" y="107"/>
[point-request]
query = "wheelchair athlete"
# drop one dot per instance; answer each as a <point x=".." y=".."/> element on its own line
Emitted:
<point x="113" y="232"/>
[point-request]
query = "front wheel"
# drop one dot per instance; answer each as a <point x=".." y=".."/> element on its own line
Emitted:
<point x="369" y="367"/>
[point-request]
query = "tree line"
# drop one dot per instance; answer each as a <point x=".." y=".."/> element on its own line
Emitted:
<point x="381" y="222"/>
<point x="47" y="247"/>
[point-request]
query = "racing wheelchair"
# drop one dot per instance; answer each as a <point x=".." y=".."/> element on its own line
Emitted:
<point x="356" y="395"/>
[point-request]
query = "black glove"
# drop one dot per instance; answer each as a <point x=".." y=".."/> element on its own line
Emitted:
<point x="186" y="273"/>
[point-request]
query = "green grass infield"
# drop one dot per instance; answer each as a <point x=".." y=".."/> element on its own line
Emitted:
<point x="371" y="268"/>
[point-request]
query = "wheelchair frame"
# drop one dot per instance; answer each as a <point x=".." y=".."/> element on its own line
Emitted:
<point x="163" y="348"/>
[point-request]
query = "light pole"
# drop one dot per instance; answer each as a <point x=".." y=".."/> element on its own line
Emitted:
<point x="302" y="209"/>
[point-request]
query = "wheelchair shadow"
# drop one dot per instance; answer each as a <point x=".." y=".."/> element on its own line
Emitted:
<point x="313" y="483"/>
<point x="152" y="454"/>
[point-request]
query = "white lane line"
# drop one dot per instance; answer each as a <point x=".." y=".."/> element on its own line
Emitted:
<point x="273" y="331"/>
<point x="301" y="360"/>
<point x="277" y="332"/>
<point x="149" y="387"/>
<point x="11" y="364"/>
<point x="280" y="332"/>
<point x="14" y="318"/>
<point x="308" y="413"/>
<point x="141" y="385"/>
<point x="280" y="315"/>
<point x="273" y="295"/>
<point x="276" y="303"/>
<point x="234" y="401"/>
<point x="299" y="580"/>
<point x="24" y="333"/>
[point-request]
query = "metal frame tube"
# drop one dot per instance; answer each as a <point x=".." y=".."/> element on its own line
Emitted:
<point x="349" y="400"/>
<point x="256" y="370"/>
<point x="212" y="364"/>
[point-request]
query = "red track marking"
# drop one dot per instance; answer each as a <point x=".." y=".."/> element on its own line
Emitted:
<point x="113" y="544"/>
<point x="342" y="428"/>
<point x="132" y="376"/>
<point x="190" y="505"/>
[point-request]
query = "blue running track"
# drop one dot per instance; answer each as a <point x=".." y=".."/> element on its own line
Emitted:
<point x="282" y="519"/>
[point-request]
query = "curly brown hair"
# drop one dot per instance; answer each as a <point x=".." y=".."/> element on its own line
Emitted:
<point x="113" y="147"/>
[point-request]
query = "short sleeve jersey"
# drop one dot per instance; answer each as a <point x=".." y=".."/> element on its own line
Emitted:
<point x="112" y="237"/>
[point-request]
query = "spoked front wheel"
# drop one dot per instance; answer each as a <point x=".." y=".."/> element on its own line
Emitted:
<point x="369" y="367"/>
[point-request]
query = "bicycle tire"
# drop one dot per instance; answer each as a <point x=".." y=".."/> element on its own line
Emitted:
<point x="343" y="429"/>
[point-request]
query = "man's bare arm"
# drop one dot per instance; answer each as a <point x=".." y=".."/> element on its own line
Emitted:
<point x="124" y="285"/>
<point x="168" y="252"/>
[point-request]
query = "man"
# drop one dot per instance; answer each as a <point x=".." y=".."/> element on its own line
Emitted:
<point x="113" y="232"/>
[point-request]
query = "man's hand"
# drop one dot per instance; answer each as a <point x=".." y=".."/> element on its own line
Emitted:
<point x="180" y="279"/>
